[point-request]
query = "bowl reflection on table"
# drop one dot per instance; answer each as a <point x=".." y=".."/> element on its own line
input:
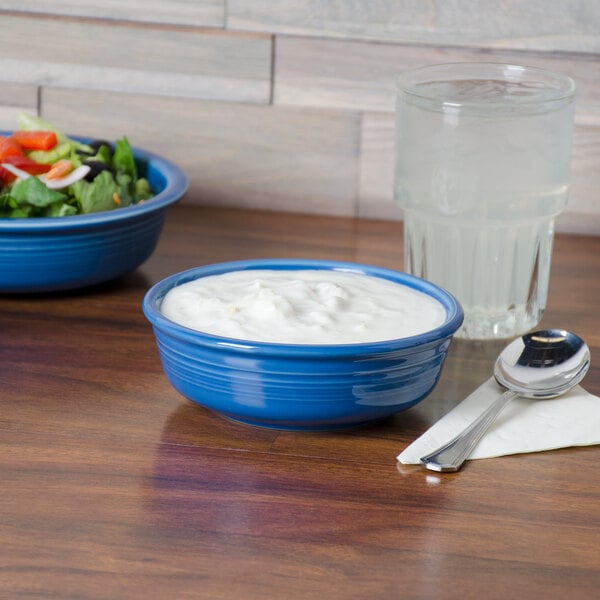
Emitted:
<point x="47" y="254"/>
<point x="296" y="386"/>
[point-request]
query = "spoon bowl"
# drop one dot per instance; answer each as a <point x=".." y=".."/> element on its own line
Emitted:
<point x="544" y="364"/>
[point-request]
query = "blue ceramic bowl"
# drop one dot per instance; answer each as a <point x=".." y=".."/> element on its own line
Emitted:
<point x="309" y="387"/>
<point x="52" y="254"/>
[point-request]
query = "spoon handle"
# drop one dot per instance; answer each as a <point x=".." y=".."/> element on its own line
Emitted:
<point x="451" y="456"/>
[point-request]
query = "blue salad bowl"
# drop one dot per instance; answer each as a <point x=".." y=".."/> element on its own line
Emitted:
<point x="48" y="254"/>
<point x="301" y="386"/>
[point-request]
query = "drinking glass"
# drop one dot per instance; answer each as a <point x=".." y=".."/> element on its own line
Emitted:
<point x="481" y="172"/>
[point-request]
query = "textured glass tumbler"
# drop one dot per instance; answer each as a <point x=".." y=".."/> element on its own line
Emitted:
<point x="482" y="170"/>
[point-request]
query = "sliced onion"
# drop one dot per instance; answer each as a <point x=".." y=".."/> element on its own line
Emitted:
<point x="15" y="171"/>
<point x="69" y="179"/>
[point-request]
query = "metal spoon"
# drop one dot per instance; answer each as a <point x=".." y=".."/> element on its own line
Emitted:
<point x="543" y="364"/>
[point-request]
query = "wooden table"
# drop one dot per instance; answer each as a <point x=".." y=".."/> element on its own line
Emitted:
<point x="114" y="486"/>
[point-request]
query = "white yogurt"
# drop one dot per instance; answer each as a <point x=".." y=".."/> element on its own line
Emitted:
<point x="302" y="307"/>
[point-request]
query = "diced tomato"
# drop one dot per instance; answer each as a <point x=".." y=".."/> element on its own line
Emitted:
<point x="60" y="168"/>
<point x="26" y="164"/>
<point x="8" y="147"/>
<point x="35" y="140"/>
<point x="6" y="177"/>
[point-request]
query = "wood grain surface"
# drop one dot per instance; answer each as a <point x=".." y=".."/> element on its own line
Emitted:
<point x="201" y="13"/>
<point x="167" y="61"/>
<point x="115" y="486"/>
<point x="526" y="24"/>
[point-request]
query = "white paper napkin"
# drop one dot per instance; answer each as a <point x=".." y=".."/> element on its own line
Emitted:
<point x="523" y="426"/>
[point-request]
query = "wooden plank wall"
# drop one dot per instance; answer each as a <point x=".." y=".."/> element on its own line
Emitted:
<point x="283" y="104"/>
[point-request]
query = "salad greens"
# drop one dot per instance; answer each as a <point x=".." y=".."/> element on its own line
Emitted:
<point x="68" y="178"/>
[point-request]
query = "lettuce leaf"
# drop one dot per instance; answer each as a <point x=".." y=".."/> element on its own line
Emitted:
<point x="143" y="191"/>
<point x="31" y="198"/>
<point x="122" y="160"/>
<point x="33" y="191"/>
<point x="97" y="195"/>
<point x="60" y="209"/>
